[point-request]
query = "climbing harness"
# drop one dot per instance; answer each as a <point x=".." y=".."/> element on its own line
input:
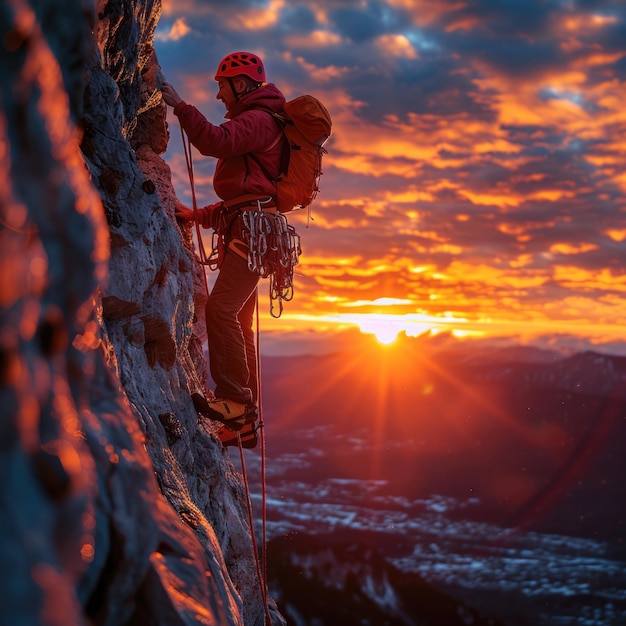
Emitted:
<point x="268" y="242"/>
<point x="212" y="262"/>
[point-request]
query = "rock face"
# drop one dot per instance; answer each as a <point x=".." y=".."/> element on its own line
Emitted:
<point x="117" y="507"/>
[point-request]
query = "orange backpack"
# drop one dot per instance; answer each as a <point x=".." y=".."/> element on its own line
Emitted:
<point x="306" y="125"/>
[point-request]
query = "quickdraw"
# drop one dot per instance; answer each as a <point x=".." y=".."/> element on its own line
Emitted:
<point x="217" y="246"/>
<point x="274" y="251"/>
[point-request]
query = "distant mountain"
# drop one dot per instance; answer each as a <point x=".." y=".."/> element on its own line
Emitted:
<point x="585" y="372"/>
<point x="320" y="581"/>
<point x="535" y="436"/>
<point x="494" y="475"/>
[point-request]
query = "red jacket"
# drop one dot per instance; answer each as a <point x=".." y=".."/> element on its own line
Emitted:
<point x="248" y="130"/>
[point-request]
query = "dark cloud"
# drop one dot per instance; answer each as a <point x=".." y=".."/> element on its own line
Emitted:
<point x="614" y="35"/>
<point x="365" y="22"/>
<point x="298" y="19"/>
<point x="598" y="6"/>
<point x="619" y="69"/>
<point x="507" y="19"/>
<point x="513" y="57"/>
<point x="423" y="86"/>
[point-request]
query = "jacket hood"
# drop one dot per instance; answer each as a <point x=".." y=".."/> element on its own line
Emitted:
<point x="265" y="97"/>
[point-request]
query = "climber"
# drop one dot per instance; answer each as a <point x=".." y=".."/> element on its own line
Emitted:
<point x="241" y="184"/>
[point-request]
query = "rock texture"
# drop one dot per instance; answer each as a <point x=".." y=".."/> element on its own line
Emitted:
<point x="117" y="507"/>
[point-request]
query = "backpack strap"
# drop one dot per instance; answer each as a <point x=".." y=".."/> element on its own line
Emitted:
<point x="286" y="151"/>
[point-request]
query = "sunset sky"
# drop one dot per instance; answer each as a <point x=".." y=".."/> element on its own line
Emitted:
<point x="476" y="173"/>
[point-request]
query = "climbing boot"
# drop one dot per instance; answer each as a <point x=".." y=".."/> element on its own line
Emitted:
<point x="234" y="415"/>
<point x="248" y="435"/>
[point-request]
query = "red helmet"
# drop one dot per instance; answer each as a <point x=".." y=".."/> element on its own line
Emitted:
<point x="238" y="63"/>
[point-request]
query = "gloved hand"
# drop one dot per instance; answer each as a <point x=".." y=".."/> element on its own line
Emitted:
<point x="183" y="213"/>
<point x="170" y="95"/>
<point x="207" y="216"/>
<point x="210" y="215"/>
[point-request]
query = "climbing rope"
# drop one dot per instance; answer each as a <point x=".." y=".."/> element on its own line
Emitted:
<point x="204" y="260"/>
<point x="262" y="442"/>
<point x="261" y="574"/>
<point x="261" y="562"/>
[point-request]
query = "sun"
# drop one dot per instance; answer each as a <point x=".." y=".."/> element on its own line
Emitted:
<point x="385" y="335"/>
<point x="385" y="328"/>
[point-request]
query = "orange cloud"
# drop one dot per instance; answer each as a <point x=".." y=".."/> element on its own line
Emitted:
<point x="396" y="45"/>
<point x="620" y="179"/>
<point x="581" y="279"/>
<point x="314" y="39"/>
<point x="568" y="248"/>
<point x="255" y="18"/>
<point x="359" y="146"/>
<point x="502" y="200"/>
<point x="483" y="274"/>
<point x="382" y="302"/>
<point x="616" y="234"/>
<point x="411" y="195"/>
<point x="584" y="22"/>
<point x="426" y="12"/>
<point x="178" y="30"/>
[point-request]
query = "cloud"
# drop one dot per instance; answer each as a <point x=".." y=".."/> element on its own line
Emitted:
<point x="398" y="46"/>
<point x="313" y="39"/>
<point x="178" y="30"/>
<point x="478" y="154"/>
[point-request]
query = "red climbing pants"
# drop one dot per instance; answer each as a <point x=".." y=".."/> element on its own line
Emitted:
<point x="229" y="321"/>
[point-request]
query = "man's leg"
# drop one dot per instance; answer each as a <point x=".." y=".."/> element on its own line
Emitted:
<point x="233" y="288"/>
<point x="248" y="435"/>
